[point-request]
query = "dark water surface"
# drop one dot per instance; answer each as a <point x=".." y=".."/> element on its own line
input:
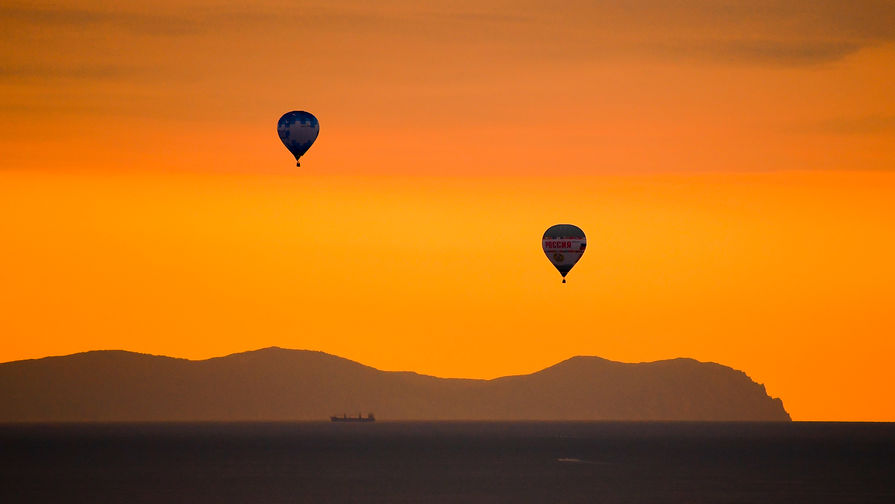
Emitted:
<point x="448" y="462"/>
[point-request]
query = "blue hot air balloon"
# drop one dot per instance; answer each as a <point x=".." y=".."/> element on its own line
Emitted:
<point x="564" y="244"/>
<point x="298" y="130"/>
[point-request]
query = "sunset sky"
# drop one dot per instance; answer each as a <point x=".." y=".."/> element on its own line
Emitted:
<point x="731" y="161"/>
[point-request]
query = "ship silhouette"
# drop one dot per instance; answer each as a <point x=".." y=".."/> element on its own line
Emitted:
<point x="358" y="418"/>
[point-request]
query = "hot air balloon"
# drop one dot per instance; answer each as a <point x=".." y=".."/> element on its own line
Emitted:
<point x="564" y="244"/>
<point x="298" y="130"/>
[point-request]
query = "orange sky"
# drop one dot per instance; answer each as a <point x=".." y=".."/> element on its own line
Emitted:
<point x="731" y="163"/>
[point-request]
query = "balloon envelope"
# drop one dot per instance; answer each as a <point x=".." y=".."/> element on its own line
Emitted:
<point x="298" y="130"/>
<point x="564" y="244"/>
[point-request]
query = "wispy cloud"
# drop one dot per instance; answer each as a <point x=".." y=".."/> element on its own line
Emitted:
<point x="761" y="52"/>
<point x="56" y="17"/>
<point x="480" y="17"/>
<point x="751" y="32"/>
<point x="53" y="71"/>
<point x="778" y="32"/>
<point x="871" y="124"/>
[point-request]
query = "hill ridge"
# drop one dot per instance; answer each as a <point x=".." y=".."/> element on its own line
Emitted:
<point x="275" y="383"/>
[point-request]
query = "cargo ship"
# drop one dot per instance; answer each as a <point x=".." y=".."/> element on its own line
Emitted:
<point x="358" y="418"/>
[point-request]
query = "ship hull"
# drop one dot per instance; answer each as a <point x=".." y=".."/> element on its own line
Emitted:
<point x="357" y="419"/>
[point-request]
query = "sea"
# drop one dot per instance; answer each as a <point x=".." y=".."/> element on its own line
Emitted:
<point x="448" y="462"/>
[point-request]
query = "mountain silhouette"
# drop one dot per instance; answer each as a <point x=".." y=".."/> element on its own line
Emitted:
<point x="279" y="384"/>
